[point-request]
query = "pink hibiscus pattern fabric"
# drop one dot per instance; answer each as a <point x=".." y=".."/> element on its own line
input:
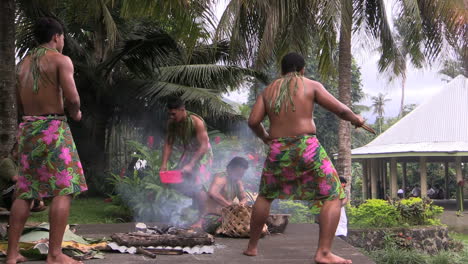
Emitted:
<point x="298" y="168"/>
<point x="49" y="163"/>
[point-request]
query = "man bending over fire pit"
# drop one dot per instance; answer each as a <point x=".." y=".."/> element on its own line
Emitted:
<point x="226" y="186"/>
<point x="297" y="167"/>
<point x="187" y="133"/>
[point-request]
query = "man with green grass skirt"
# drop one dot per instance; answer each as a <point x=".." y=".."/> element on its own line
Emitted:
<point x="187" y="132"/>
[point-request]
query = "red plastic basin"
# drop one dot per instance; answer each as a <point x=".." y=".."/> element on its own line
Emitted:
<point x="174" y="176"/>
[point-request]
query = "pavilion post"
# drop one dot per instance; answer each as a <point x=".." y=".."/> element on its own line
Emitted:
<point x="459" y="177"/>
<point x="374" y="172"/>
<point x="365" y="173"/>
<point x="384" y="178"/>
<point x="393" y="178"/>
<point x="423" y="175"/>
<point x="404" y="180"/>
<point x="447" y="191"/>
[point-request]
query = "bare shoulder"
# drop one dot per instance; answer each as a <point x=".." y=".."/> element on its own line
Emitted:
<point x="312" y="83"/>
<point x="197" y="120"/>
<point x="62" y="60"/>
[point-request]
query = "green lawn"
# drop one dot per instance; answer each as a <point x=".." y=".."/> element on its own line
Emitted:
<point x="460" y="236"/>
<point x="83" y="211"/>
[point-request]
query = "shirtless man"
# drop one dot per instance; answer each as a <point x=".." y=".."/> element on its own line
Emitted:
<point x="297" y="166"/>
<point x="49" y="165"/>
<point x="226" y="186"/>
<point x="188" y="132"/>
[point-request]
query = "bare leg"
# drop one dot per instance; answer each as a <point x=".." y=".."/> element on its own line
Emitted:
<point x="58" y="218"/>
<point x="201" y="198"/>
<point x="19" y="215"/>
<point x="328" y="221"/>
<point x="260" y="213"/>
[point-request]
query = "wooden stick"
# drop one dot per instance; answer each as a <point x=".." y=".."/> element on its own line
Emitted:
<point x="368" y="128"/>
<point x="145" y="252"/>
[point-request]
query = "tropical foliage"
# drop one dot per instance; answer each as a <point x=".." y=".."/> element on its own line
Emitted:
<point x="127" y="67"/>
<point x="406" y="212"/>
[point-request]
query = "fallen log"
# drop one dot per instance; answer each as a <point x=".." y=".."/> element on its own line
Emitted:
<point x="189" y="239"/>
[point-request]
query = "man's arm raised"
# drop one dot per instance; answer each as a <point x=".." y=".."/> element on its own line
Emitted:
<point x="67" y="82"/>
<point x="255" y="120"/>
<point x="325" y="99"/>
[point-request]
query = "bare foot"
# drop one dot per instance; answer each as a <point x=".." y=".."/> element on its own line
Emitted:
<point x="250" y="252"/>
<point x="62" y="259"/>
<point x="13" y="260"/>
<point x="330" y="259"/>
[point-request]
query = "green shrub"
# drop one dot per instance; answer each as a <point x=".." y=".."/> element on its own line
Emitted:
<point x="397" y="256"/>
<point x="416" y="211"/>
<point x="396" y="213"/>
<point x="373" y="213"/>
<point x="142" y="196"/>
<point x="300" y="213"/>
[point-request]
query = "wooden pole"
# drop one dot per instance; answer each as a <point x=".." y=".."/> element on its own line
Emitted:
<point x="393" y="178"/>
<point x="374" y="173"/>
<point x="423" y="175"/>
<point x="447" y="191"/>
<point x="404" y="181"/>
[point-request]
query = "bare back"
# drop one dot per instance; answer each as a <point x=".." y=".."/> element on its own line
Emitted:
<point x="49" y="98"/>
<point x="295" y="118"/>
<point x="289" y="122"/>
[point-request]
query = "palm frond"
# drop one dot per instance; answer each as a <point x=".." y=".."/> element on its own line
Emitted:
<point x="154" y="94"/>
<point x="220" y="78"/>
<point x="145" y="51"/>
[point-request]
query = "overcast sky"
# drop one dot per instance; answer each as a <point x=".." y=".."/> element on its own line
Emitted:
<point x="420" y="85"/>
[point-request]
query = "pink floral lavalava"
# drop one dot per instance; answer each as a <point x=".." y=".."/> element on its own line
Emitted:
<point x="50" y="134"/>
<point x="63" y="178"/>
<point x="65" y="155"/>
<point x="289" y="173"/>
<point x="270" y="178"/>
<point x="287" y="188"/>
<point x="327" y="167"/>
<point x="23" y="183"/>
<point x="324" y="187"/>
<point x="24" y="161"/>
<point x="310" y="151"/>
<point x="275" y="149"/>
<point x="307" y="177"/>
<point x="44" y="174"/>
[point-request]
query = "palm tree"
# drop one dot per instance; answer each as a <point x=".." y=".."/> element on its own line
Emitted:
<point x="378" y="104"/>
<point x="8" y="110"/>
<point x="133" y="77"/>
<point x="264" y="30"/>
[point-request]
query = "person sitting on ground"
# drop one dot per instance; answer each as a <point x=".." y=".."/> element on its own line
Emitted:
<point x="439" y="192"/>
<point x="401" y="193"/>
<point x="416" y="192"/>
<point x="342" y="228"/>
<point x="225" y="188"/>
<point x="431" y="192"/>
<point x="8" y="179"/>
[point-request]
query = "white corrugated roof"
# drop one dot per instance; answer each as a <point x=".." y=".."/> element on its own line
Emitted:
<point x="440" y="124"/>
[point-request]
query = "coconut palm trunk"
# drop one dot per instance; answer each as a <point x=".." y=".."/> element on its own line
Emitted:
<point x="344" y="95"/>
<point x="8" y="110"/>
<point x="402" y="103"/>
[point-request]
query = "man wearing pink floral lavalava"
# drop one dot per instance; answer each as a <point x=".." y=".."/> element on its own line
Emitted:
<point x="297" y="166"/>
<point x="49" y="166"/>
